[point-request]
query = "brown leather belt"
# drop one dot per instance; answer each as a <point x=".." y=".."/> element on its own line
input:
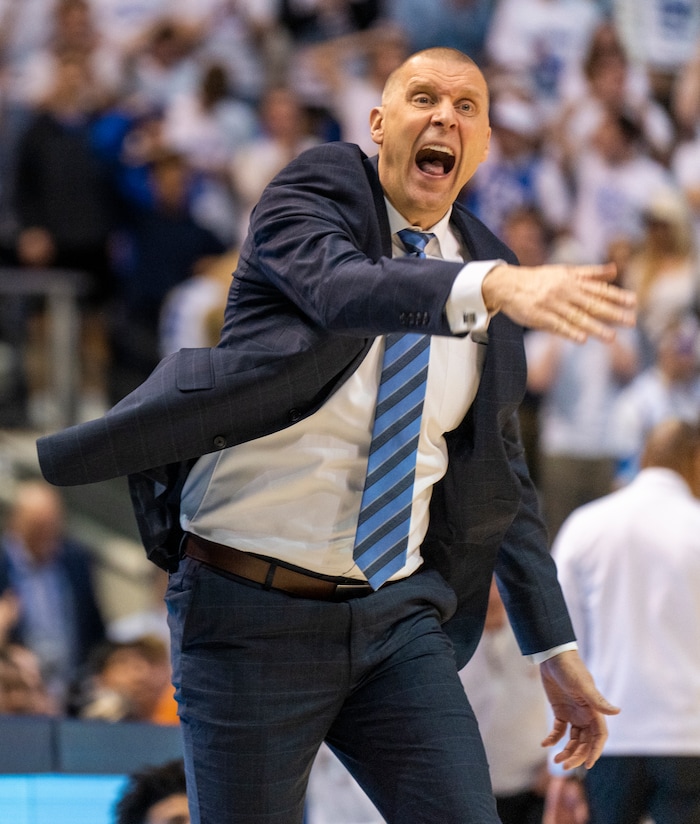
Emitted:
<point x="269" y="574"/>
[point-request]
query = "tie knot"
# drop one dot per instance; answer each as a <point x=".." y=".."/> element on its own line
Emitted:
<point x="415" y="242"/>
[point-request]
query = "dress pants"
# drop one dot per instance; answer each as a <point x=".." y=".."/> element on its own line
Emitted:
<point x="262" y="678"/>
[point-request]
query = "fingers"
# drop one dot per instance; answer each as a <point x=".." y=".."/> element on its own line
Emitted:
<point x="595" y="309"/>
<point x="556" y="733"/>
<point x="584" y="748"/>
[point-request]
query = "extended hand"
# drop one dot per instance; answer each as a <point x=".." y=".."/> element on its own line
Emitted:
<point x="571" y="301"/>
<point x="576" y="704"/>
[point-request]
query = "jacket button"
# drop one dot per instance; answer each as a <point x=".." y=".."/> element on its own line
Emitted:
<point x="294" y="415"/>
<point x="219" y="442"/>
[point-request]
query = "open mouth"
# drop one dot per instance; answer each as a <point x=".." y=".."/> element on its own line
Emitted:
<point x="435" y="160"/>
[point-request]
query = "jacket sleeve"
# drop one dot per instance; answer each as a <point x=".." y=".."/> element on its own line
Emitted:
<point x="525" y="570"/>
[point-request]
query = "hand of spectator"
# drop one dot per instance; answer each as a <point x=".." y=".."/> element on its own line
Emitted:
<point x="578" y="706"/>
<point x="9" y="614"/>
<point x="574" y="302"/>
<point x="566" y="802"/>
<point x="35" y="247"/>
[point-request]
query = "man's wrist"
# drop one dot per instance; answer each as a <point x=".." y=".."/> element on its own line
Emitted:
<point x="466" y="309"/>
<point x="545" y="655"/>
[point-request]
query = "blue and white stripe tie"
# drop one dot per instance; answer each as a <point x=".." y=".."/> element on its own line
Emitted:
<point x="385" y="511"/>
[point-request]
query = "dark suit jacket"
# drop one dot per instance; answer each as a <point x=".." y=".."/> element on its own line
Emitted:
<point x="315" y="285"/>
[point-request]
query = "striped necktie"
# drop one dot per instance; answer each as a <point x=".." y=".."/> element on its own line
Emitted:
<point x="385" y="511"/>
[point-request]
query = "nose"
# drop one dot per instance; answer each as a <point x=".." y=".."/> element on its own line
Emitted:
<point x="444" y="114"/>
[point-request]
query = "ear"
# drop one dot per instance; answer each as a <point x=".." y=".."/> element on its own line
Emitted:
<point x="376" y="125"/>
<point x="487" y="147"/>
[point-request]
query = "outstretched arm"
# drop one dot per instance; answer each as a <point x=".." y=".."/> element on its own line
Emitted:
<point x="577" y="706"/>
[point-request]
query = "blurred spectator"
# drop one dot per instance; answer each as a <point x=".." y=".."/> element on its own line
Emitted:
<point x="534" y="44"/>
<point x="517" y="172"/>
<point x="128" y="681"/>
<point x="352" y="71"/>
<point x="668" y="388"/>
<point x="665" y="270"/>
<point x="660" y="36"/>
<point x="459" y="24"/>
<point x="286" y="133"/>
<point x="59" y="618"/>
<point x="155" y="795"/>
<point x="163" y="244"/>
<point x="244" y="36"/>
<point x="311" y="21"/>
<point x="685" y="102"/>
<point x="66" y="212"/>
<point x="685" y="165"/>
<point x="193" y="311"/>
<point x="578" y="384"/>
<point x="608" y="83"/>
<point x="162" y="64"/>
<point x="124" y="23"/>
<point x="15" y="697"/>
<point x="615" y="182"/>
<point x="630" y="570"/>
<point x="73" y="31"/>
<point x="22" y="688"/>
<point x="525" y="232"/>
<point x="507" y="697"/>
<point x="25" y="28"/>
<point x="207" y="128"/>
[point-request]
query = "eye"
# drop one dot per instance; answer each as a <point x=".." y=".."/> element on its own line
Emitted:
<point x="421" y="99"/>
<point x="466" y="106"/>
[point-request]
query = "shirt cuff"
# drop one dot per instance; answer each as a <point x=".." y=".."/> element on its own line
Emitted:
<point x="539" y="657"/>
<point x="465" y="308"/>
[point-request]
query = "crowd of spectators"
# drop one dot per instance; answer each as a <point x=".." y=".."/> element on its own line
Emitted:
<point x="135" y="138"/>
<point x="137" y="135"/>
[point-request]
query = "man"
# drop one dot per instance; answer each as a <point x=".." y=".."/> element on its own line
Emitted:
<point x="279" y="642"/>
<point x="629" y="565"/>
<point x="58" y="615"/>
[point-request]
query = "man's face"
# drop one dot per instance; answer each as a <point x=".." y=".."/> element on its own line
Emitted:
<point x="433" y="132"/>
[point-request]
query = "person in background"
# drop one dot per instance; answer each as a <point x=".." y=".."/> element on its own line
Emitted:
<point x="510" y="706"/>
<point x="59" y="618"/>
<point x="664" y="270"/>
<point x="576" y="386"/>
<point x="154" y="795"/>
<point x="66" y="213"/>
<point x="630" y="569"/>
<point x="668" y="388"/>
<point x="128" y="681"/>
<point x="163" y="244"/>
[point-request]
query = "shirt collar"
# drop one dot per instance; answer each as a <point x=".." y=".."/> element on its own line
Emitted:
<point x="441" y="229"/>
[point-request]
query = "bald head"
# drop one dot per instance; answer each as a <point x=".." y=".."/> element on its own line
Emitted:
<point x="36" y="518"/>
<point x="445" y="54"/>
<point x="675" y="444"/>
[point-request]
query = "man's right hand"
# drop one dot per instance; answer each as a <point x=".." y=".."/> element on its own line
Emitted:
<point x="574" y="302"/>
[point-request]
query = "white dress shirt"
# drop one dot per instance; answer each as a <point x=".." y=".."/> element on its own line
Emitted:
<point x="629" y="566"/>
<point x="295" y="495"/>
